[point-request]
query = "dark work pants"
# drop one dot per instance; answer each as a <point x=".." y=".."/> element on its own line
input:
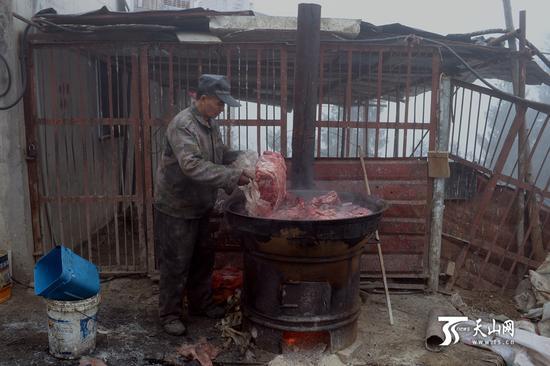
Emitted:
<point x="186" y="261"/>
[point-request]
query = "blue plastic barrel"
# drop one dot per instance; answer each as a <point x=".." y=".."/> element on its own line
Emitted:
<point x="63" y="275"/>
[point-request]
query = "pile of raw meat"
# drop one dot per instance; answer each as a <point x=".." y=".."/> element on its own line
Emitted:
<point x="267" y="197"/>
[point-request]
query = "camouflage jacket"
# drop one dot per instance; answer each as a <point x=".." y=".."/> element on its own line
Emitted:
<point x="192" y="166"/>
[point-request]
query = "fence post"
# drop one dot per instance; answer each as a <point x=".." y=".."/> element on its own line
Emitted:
<point x="438" y="198"/>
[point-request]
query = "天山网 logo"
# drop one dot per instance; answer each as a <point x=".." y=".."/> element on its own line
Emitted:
<point x="483" y="333"/>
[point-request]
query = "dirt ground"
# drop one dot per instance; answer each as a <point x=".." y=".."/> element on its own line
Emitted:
<point x="129" y="335"/>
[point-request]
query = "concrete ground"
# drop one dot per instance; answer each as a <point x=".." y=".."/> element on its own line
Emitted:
<point x="129" y="334"/>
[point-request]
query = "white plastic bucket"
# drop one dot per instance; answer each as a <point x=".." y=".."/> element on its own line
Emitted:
<point x="72" y="326"/>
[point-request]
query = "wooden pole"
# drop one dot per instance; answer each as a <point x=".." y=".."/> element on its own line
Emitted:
<point x="379" y="247"/>
<point x="306" y="78"/>
<point x="524" y="166"/>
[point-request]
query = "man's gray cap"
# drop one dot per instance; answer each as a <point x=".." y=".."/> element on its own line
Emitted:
<point x="218" y="85"/>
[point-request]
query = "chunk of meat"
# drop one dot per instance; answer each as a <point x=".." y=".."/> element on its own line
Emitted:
<point x="325" y="207"/>
<point x="267" y="197"/>
<point x="268" y="190"/>
<point x="329" y="199"/>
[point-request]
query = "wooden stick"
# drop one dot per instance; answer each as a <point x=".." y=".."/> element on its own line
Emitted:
<point x="379" y="247"/>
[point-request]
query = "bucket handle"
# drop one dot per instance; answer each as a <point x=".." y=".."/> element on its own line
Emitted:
<point x="87" y="317"/>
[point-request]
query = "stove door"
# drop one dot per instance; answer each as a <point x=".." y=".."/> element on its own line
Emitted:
<point x="305" y="298"/>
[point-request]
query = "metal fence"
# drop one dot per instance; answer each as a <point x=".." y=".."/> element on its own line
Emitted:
<point x="97" y="112"/>
<point x="506" y="141"/>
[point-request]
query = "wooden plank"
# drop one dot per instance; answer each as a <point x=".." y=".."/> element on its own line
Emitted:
<point x="406" y="209"/>
<point x="388" y="190"/>
<point x="408" y="263"/>
<point x="390" y="225"/>
<point x="377" y="169"/>
<point x="398" y="244"/>
<point x="369" y="285"/>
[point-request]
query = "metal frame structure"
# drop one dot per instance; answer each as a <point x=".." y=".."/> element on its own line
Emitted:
<point x="96" y="112"/>
<point x="486" y="137"/>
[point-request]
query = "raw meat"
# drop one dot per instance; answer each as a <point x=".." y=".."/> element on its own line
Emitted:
<point x="325" y="207"/>
<point x="267" y="197"/>
<point x="268" y="190"/>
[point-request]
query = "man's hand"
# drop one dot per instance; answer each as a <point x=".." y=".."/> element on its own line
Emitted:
<point x="246" y="177"/>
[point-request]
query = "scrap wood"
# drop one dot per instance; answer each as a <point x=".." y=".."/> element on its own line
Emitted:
<point x="230" y="325"/>
<point x="230" y="333"/>
<point x="201" y="351"/>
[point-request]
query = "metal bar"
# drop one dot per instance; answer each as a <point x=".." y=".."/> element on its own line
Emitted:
<point x="258" y="97"/>
<point x="41" y="148"/>
<point x="329" y="106"/>
<point x="86" y="121"/>
<point x="455" y="107"/>
<point x="350" y="124"/>
<point x="94" y="172"/>
<point x="321" y="97"/>
<point x="228" y="74"/>
<point x="491" y="133"/>
<point x="273" y="98"/>
<point x="501" y="132"/>
<point x="136" y="191"/>
<point x="469" y="123"/>
<point x="378" y="97"/>
<point x="123" y="110"/>
<point x="347" y="111"/>
<point x="68" y="185"/>
<point x="367" y="107"/>
<point x="407" y="92"/>
<point x="414" y="122"/>
<point x="459" y="129"/>
<point x="54" y="85"/>
<point x="171" y="104"/>
<point x="477" y="127"/>
<point x="144" y="182"/>
<point x="546" y="193"/>
<point x="484" y="130"/>
<point x="88" y="198"/>
<point x="268" y="82"/>
<point x="388" y="103"/>
<point x="424" y="122"/>
<point x="32" y="143"/>
<point x="339" y="144"/>
<point x="83" y="138"/>
<point x="246" y="86"/>
<point x="526" y="138"/>
<point x="284" y="97"/>
<point x="113" y="160"/>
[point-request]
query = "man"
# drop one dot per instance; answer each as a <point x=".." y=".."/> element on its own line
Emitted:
<point x="192" y="169"/>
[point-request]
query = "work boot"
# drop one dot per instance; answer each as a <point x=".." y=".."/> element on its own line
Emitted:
<point x="174" y="327"/>
<point x="211" y="311"/>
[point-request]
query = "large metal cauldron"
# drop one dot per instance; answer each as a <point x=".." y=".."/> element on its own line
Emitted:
<point x="302" y="277"/>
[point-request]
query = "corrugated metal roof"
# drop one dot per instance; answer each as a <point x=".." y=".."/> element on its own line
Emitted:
<point x="244" y="26"/>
